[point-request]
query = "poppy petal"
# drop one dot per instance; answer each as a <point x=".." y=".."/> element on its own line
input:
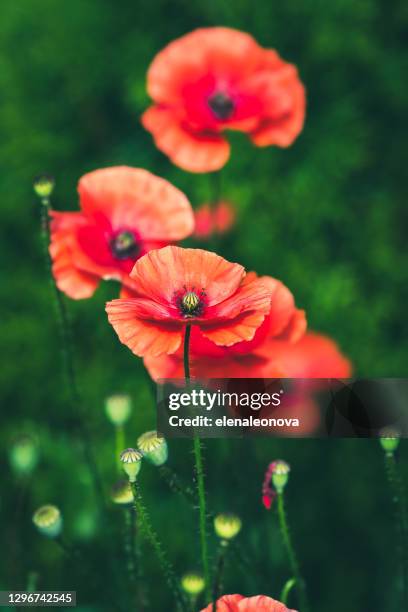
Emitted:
<point x="227" y="603"/>
<point x="229" y="332"/>
<point x="70" y="279"/>
<point x="160" y="273"/>
<point x="143" y="337"/>
<point x="135" y="198"/>
<point x="261" y="603"/>
<point x="192" y="151"/>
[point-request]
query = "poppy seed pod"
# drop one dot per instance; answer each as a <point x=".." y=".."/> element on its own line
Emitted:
<point x="227" y="526"/>
<point x="48" y="521"/>
<point x="192" y="584"/>
<point x="389" y="440"/>
<point x="280" y="474"/>
<point x="23" y="455"/>
<point x="44" y="186"/>
<point x="118" y="408"/>
<point x="131" y="462"/>
<point x="121" y="493"/>
<point x="153" y="447"/>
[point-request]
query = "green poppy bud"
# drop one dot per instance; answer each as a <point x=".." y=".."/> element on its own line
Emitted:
<point x="131" y="462"/>
<point x="118" y="409"/>
<point x="48" y="521"/>
<point x="153" y="447"/>
<point x="389" y="440"/>
<point x="227" y="526"/>
<point x="23" y="455"/>
<point x="44" y="186"/>
<point x="121" y="493"/>
<point x="280" y="475"/>
<point x="192" y="584"/>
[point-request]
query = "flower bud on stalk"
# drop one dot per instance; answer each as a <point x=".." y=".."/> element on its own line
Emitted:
<point x="193" y="584"/>
<point x="389" y="440"/>
<point x="131" y="462"/>
<point x="44" y="186"/>
<point x="153" y="448"/>
<point x="280" y="475"/>
<point x="23" y="455"/>
<point x="227" y="526"/>
<point x="48" y="521"/>
<point x="121" y="493"/>
<point x="118" y="409"/>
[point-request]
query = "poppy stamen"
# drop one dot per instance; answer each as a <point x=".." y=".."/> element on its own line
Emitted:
<point x="221" y="105"/>
<point x="190" y="303"/>
<point x="124" y="245"/>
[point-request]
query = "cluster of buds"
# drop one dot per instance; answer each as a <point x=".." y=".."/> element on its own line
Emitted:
<point x="153" y="448"/>
<point x="389" y="440"/>
<point x="227" y="527"/>
<point x="118" y="409"/>
<point x="276" y="478"/>
<point x="48" y="521"/>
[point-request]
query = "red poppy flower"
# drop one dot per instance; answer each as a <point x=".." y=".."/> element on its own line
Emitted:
<point x="284" y="321"/>
<point x="239" y="603"/>
<point x="314" y="356"/>
<point x="125" y="212"/>
<point x="175" y="287"/>
<point x="214" y="79"/>
<point x="213" y="220"/>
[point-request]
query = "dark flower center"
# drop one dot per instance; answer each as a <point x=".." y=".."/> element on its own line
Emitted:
<point x="221" y="105"/>
<point x="191" y="303"/>
<point x="124" y="245"/>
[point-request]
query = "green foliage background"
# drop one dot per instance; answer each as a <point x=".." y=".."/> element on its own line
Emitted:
<point x="327" y="216"/>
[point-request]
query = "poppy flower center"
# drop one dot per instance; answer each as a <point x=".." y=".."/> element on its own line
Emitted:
<point x="190" y="303"/>
<point x="221" y="105"/>
<point x="124" y="245"/>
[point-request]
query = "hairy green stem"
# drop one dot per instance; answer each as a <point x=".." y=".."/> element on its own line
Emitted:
<point x="199" y="470"/>
<point x="401" y="521"/>
<point x="176" y="485"/>
<point x="293" y="561"/>
<point x="68" y="357"/>
<point x="148" y="532"/>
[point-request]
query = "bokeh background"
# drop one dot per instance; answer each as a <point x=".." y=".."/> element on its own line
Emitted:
<point x="327" y="216"/>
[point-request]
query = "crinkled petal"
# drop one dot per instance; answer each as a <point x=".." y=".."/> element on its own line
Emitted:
<point x="143" y="337"/>
<point x="190" y="150"/>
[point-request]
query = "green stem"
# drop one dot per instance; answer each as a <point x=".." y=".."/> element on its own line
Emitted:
<point x="200" y="478"/>
<point x="217" y="584"/>
<point x="150" y="535"/>
<point x="119" y="445"/>
<point x="293" y="561"/>
<point x="401" y="521"/>
<point x="67" y="350"/>
<point x="288" y="586"/>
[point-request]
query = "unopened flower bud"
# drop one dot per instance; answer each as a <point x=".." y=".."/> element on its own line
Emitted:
<point x="48" y="521"/>
<point x="131" y="462"/>
<point x="121" y="493"/>
<point x="24" y="455"/>
<point x="192" y="584"/>
<point x="118" y="409"/>
<point x="280" y="474"/>
<point x="227" y="526"/>
<point x="153" y="447"/>
<point x="389" y="440"/>
<point x="44" y="186"/>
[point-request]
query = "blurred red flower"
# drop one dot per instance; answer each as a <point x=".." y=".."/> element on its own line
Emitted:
<point x="125" y="212"/>
<point x="284" y="321"/>
<point x="174" y="287"/>
<point x="211" y="220"/>
<point x="214" y="79"/>
<point x="239" y="603"/>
